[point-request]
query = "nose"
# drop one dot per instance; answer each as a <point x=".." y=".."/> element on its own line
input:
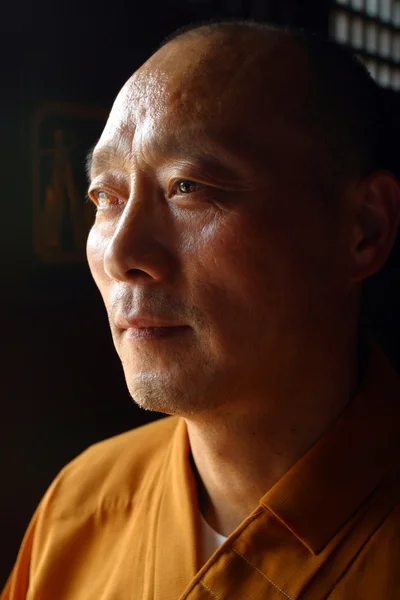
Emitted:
<point x="140" y="245"/>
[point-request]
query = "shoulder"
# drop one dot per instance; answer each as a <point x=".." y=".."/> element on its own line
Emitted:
<point x="374" y="571"/>
<point x="110" y="473"/>
<point x="384" y="544"/>
<point x="145" y="441"/>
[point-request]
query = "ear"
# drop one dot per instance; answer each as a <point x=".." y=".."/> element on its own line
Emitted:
<point x="376" y="221"/>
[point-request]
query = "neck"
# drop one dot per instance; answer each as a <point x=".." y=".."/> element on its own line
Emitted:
<point x="238" y="454"/>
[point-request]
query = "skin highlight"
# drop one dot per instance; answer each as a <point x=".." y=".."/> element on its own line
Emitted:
<point x="209" y="218"/>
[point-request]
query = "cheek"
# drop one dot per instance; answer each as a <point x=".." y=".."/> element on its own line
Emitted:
<point x="253" y="268"/>
<point x="225" y="253"/>
<point x="95" y="249"/>
<point x="225" y="271"/>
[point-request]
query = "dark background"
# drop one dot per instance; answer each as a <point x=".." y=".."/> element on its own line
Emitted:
<point x="62" y="387"/>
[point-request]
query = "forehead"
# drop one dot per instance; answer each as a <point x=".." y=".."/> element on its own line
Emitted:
<point x="200" y="94"/>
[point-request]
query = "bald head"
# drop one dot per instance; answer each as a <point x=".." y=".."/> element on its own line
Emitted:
<point x="207" y="93"/>
<point x="235" y="67"/>
<point x="316" y="84"/>
<point x="270" y="82"/>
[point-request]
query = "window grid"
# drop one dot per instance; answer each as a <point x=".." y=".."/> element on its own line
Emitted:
<point x="372" y="29"/>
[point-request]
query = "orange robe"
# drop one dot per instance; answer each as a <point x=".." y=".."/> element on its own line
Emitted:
<point x="121" y="521"/>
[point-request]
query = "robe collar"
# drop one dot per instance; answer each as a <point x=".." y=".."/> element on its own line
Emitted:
<point x="320" y="493"/>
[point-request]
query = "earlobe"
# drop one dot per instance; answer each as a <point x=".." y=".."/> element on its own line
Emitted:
<point x="376" y="223"/>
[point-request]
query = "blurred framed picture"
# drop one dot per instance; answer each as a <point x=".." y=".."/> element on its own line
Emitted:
<point x="63" y="134"/>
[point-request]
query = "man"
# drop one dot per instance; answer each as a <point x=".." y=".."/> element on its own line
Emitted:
<point x="241" y="202"/>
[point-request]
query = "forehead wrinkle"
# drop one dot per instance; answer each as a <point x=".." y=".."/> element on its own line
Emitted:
<point x="164" y="149"/>
<point x="166" y="108"/>
<point x="190" y="141"/>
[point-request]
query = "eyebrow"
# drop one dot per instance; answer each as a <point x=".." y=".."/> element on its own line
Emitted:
<point x="109" y="157"/>
<point x="89" y="162"/>
<point x="101" y="160"/>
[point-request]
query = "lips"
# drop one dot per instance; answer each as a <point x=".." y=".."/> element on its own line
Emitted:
<point x="145" y="322"/>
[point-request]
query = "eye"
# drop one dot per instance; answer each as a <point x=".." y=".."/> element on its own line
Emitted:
<point x="186" y="186"/>
<point x="102" y="198"/>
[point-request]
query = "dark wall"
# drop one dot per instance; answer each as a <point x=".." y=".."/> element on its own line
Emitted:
<point x="61" y="384"/>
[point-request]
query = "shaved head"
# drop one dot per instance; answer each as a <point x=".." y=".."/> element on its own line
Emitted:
<point x="316" y="87"/>
<point x="318" y="84"/>
<point x="257" y="76"/>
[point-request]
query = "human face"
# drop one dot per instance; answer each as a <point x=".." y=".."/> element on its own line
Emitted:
<point x="212" y="252"/>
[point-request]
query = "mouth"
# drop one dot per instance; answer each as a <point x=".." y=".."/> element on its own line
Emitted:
<point x="141" y="326"/>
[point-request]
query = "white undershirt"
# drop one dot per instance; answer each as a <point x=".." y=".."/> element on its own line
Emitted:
<point x="210" y="540"/>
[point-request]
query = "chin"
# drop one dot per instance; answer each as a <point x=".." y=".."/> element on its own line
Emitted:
<point x="172" y="397"/>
